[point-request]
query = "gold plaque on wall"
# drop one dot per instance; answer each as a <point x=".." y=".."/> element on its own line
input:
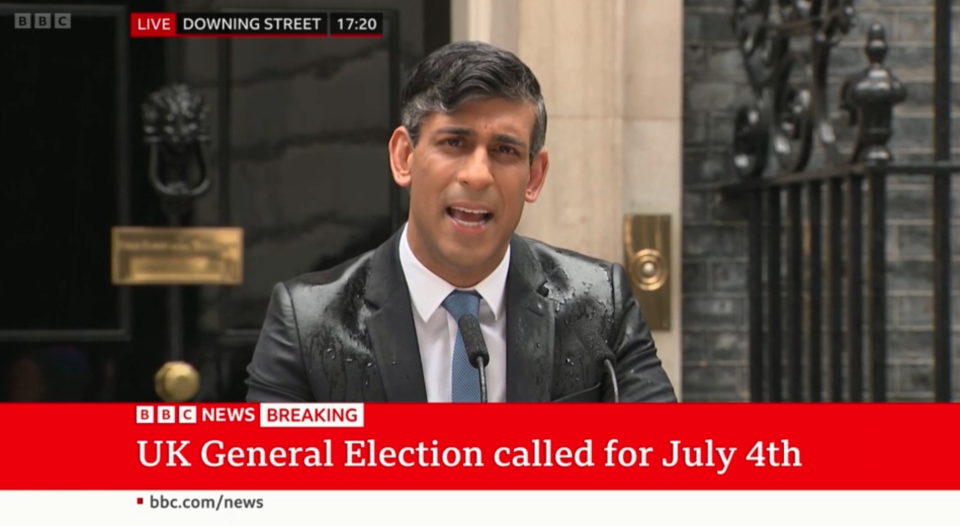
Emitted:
<point x="646" y="246"/>
<point x="177" y="256"/>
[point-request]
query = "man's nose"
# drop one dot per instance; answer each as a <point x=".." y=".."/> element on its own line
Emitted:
<point x="476" y="173"/>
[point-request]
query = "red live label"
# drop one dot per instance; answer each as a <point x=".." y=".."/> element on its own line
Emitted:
<point x="153" y="24"/>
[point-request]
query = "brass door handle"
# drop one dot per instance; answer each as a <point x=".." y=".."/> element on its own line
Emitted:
<point x="177" y="382"/>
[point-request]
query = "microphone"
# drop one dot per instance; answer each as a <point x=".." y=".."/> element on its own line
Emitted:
<point x="593" y="341"/>
<point x="476" y="349"/>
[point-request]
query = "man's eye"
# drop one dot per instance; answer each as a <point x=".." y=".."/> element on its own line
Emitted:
<point x="509" y="150"/>
<point x="455" y="142"/>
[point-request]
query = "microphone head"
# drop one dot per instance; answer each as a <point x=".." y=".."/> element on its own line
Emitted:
<point x="592" y="340"/>
<point x="473" y="339"/>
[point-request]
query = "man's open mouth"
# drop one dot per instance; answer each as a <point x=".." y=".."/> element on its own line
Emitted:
<point x="469" y="217"/>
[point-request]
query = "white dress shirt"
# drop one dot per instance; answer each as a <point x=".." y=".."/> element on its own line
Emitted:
<point x="437" y="329"/>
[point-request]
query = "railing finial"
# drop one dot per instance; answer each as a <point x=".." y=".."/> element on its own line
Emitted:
<point x="876" y="44"/>
<point x="871" y="97"/>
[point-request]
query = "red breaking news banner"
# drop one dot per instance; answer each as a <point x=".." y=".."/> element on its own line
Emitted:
<point x="482" y="446"/>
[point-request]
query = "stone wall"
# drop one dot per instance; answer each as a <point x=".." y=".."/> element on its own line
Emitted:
<point x="715" y="308"/>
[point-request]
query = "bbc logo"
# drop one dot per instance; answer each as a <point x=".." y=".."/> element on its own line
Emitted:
<point x="167" y="414"/>
<point x="41" y="20"/>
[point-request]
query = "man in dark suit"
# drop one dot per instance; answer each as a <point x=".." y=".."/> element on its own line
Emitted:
<point x="384" y="326"/>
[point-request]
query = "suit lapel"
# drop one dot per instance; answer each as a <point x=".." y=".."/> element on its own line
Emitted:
<point x="390" y="325"/>
<point x="530" y="328"/>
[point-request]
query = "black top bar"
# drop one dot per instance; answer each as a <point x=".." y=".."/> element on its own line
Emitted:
<point x="835" y="172"/>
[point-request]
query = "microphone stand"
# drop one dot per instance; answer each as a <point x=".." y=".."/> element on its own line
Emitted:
<point x="613" y="378"/>
<point x="483" y="380"/>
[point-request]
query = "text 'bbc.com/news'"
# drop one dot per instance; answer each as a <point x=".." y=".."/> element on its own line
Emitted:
<point x="162" y="502"/>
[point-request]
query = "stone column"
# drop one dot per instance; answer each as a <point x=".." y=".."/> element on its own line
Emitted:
<point x="653" y="140"/>
<point x="611" y="74"/>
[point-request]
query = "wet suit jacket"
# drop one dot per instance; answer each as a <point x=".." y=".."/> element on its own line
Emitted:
<point x="347" y="334"/>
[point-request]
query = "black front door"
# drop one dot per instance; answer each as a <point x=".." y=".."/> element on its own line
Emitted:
<point x="296" y="155"/>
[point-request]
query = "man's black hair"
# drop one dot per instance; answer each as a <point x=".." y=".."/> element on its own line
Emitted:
<point x="463" y="72"/>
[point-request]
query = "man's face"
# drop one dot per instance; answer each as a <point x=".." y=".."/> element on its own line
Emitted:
<point x="469" y="177"/>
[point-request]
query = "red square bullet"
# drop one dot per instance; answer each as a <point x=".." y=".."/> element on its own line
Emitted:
<point x="139" y="501"/>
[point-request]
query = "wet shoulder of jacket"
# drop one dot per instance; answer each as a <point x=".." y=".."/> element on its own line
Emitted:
<point x="570" y="272"/>
<point x="322" y="289"/>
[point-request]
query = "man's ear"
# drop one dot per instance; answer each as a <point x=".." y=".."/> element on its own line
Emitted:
<point x="401" y="156"/>
<point x="538" y="175"/>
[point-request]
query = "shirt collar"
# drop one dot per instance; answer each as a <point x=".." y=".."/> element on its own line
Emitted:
<point x="427" y="290"/>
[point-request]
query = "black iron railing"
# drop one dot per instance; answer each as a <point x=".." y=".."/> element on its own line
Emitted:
<point x="786" y="46"/>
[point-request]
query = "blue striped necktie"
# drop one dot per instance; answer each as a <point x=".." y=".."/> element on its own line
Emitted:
<point x="464" y="379"/>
